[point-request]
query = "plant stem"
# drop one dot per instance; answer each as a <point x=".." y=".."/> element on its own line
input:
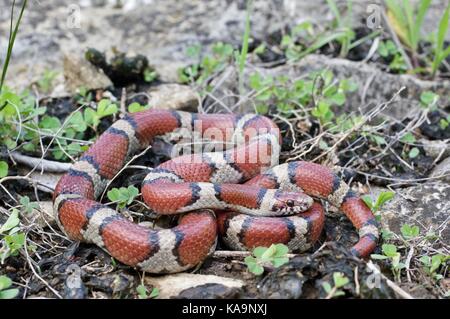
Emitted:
<point x="12" y="38"/>
<point x="244" y="49"/>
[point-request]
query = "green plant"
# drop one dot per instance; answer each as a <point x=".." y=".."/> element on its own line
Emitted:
<point x="27" y="206"/>
<point x="343" y="24"/>
<point x="241" y="58"/>
<point x="46" y="82"/>
<point x="12" y="39"/>
<point x="443" y="123"/>
<point x="136" y="107"/>
<point x="390" y="252"/>
<point x="3" y="169"/>
<point x="123" y="196"/>
<point x="275" y="255"/>
<point x="92" y="117"/>
<point x="318" y="91"/>
<point x="383" y="198"/>
<point x="440" y="54"/>
<point x="5" y="291"/>
<point x="388" y="50"/>
<point x="150" y="75"/>
<point x="339" y="281"/>
<point x="83" y="96"/>
<point x="311" y="42"/>
<point x="429" y="99"/>
<point x="11" y="239"/>
<point x="407" y="20"/>
<point x="222" y="55"/>
<point x="409" y="231"/>
<point x="432" y="264"/>
<point x="143" y="292"/>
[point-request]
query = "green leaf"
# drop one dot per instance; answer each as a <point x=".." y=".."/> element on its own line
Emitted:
<point x="382" y="49"/>
<point x="428" y="98"/>
<point x="106" y="108"/>
<point x="409" y="231"/>
<point x="368" y="200"/>
<point x="15" y="241"/>
<point x="5" y="282"/>
<point x="91" y="117"/>
<point x="279" y="261"/>
<point x="280" y="250"/>
<point x="259" y="251"/>
<point x="113" y="194"/>
<point x="383" y="198"/>
<point x="268" y="254"/>
<point x="340" y="280"/>
<point x="154" y="293"/>
<point x="378" y="139"/>
<point x="338" y="98"/>
<point x="426" y="260"/>
<point x="262" y="108"/>
<point x="3" y="169"/>
<point x="389" y="250"/>
<point x="51" y="123"/>
<point x="77" y="122"/>
<point x="9" y="293"/>
<point x="256" y="269"/>
<point x="12" y="221"/>
<point x="253" y="266"/>
<point x="436" y="261"/>
<point x="150" y="75"/>
<point x="327" y="287"/>
<point x="142" y="291"/>
<point x="413" y="152"/>
<point x="136" y="107"/>
<point x="408" y="138"/>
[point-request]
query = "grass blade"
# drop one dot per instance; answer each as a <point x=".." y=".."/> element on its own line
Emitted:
<point x="440" y="54"/>
<point x="244" y="49"/>
<point x="423" y="8"/>
<point x="12" y="39"/>
<point x="335" y="10"/>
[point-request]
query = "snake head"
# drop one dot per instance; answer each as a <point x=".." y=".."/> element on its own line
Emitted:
<point x="290" y="203"/>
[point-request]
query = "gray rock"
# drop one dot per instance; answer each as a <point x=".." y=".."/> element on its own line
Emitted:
<point x="442" y="169"/>
<point x="426" y="205"/>
<point x="436" y="149"/>
<point x="173" y="97"/>
<point x="80" y="73"/>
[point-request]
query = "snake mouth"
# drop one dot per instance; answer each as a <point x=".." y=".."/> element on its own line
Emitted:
<point x="292" y="203"/>
<point x="292" y="210"/>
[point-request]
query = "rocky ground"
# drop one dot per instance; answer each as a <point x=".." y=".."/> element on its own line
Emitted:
<point x="54" y="36"/>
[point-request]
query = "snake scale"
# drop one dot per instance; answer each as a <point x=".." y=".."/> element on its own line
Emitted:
<point x="239" y="194"/>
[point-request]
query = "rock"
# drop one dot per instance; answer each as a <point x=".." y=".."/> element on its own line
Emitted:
<point x="73" y="285"/>
<point x="209" y="291"/>
<point x="442" y="168"/>
<point x="173" y="285"/>
<point x="43" y="216"/>
<point x="426" y="205"/>
<point x="80" y="73"/>
<point x="436" y="148"/>
<point x="174" y="97"/>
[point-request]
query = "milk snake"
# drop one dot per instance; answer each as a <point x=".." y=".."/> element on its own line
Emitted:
<point x="268" y="203"/>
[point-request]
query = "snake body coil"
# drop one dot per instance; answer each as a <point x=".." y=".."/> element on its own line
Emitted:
<point x="268" y="203"/>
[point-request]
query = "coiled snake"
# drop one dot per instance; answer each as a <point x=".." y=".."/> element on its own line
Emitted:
<point x="255" y="203"/>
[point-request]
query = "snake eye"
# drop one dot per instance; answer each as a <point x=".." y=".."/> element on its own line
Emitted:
<point x="290" y="202"/>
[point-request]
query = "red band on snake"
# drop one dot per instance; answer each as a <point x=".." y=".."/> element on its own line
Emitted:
<point x="256" y="202"/>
